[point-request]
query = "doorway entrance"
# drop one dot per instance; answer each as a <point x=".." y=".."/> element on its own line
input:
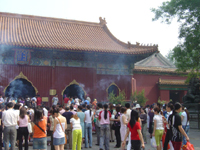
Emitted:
<point x="73" y="90"/>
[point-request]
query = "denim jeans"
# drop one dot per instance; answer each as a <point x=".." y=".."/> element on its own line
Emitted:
<point x="186" y="128"/>
<point x="88" y="133"/>
<point x="105" y="136"/>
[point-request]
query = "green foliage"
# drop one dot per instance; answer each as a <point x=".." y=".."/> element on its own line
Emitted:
<point x="162" y="102"/>
<point x="139" y="97"/>
<point x="186" y="54"/>
<point x="117" y="99"/>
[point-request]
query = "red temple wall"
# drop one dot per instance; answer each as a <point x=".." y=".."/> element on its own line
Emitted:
<point x="39" y="76"/>
<point x="45" y="78"/>
<point x="152" y="91"/>
<point x="103" y="82"/>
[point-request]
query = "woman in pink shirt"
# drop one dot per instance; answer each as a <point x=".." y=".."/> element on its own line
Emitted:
<point x="104" y="117"/>
<point x="23" y="128"/>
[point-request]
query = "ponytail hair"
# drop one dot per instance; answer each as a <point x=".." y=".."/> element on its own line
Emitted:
<point x="105" y="106"/>
<point x="88" y="107"/>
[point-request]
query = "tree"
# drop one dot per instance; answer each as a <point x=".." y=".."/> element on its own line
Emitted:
<point x="139" y="97"/>
<point x="187" y="52"/>
<point x="117" y="99"/>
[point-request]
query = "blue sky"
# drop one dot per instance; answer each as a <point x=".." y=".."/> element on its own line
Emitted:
<point x="128" y="20"/>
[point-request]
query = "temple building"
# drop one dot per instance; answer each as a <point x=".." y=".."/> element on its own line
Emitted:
<point x="45" y="56"/>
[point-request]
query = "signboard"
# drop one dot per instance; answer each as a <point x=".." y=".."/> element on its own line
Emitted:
<point x="22" y="56"/>
<point x="45" y="99"/>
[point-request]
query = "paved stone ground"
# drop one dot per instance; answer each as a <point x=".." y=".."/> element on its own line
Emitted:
<point x="194" y="136"/>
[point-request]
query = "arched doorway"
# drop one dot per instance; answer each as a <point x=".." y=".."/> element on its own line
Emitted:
<point x="73" y="90"/>
<point x="113" y="88"/>
<point x="20" y="87"/>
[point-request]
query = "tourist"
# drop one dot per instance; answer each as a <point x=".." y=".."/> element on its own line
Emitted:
<point x="81" y="116"/>
<point x="28" y="101"/>
<point x="16" y="108"/>
<point x="116" y="126"/>
<point x="72" y="109"/>
<point x="1" y="127"/>
<point x="123" y="122"/>
<point x="60" y="125"/>
<point x="185" y="117"/>
<point x="76" y="132"/>
<point x="55" y="100"/>
<point x="176" y="127"/>
<point x="39" y="100"/>
<point x="61" y="110"/>
<point x="143" y="117"/>
<point x="45" y="112"/>
<point x="39" y="130"/>
<point x="84" y="109"/>
<point x="68" y="114"/>
<point x="158" y="127"/>
<point x="97" y="123"/>
<point x="23" y="128"/>
<point x="33" y="101"/>
<point x="76" y="101"/>
<point x="66" y="100"/>
<point x="111" y="123"/>
<point x="104" y="117"/>
<point x="1" y="101"/>
<point x="168" y="135"/>
<point x="88" y="126"/>
<point x="135" y="129"/>
<point x="51" y="120"/>
<point x="151" y="115"/>
<point x="94" y="103"/>
<point x="9" y="119"/>
<point x="128" y="111"/>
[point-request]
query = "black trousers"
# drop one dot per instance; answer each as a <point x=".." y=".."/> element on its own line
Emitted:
<point x="167" y="139"/>
<point x="1" y="142"/>
<point x="136" y="144"/>
<point x="52" y="146"/>
<point x="118" y="136"/>
<point x="23" y="132"/>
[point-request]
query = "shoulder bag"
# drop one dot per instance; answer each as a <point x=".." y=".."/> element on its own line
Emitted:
<point x="40" y="128"/>
<point x="63" y="131"/>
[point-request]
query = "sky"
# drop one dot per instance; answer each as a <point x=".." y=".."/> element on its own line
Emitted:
<point x="128" y="20"/>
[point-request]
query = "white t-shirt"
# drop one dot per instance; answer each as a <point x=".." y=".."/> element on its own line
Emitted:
<point x="75" y="124"/>
<point x="88" y="118"/>
<point x="10" y="117"/>
<point x="168" y="114"/>
<point x="184" y="114"/>
<point x="159" y="122"/>
<point x="45" y="112"/>
<point x="128" y="114"/>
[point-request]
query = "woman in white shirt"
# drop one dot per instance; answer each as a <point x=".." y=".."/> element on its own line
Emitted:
<point x="185" y="118"/>
<point x="60" y="125"/>
<point x="76" y="132"/>
<point x="158" y="127"/>
<point x="88" y="126"/>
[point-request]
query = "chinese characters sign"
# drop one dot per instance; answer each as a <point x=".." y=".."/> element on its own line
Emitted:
<point x="22" y="56"/>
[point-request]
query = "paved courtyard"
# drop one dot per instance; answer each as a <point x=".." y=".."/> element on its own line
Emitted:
<point x="194" y="136"/>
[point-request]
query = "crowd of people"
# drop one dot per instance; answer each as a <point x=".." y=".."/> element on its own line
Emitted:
<point x="75" y="120"/>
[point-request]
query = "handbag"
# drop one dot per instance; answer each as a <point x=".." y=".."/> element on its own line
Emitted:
<point x="29" y="128"/>
<point x="153" y="142"/>
<point x="188" y="146"/>
<point x="63" y="131"/>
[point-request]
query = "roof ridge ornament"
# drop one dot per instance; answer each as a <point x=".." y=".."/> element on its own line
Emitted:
<point x="129" y="44"/>
<point x="102" y="21"/>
